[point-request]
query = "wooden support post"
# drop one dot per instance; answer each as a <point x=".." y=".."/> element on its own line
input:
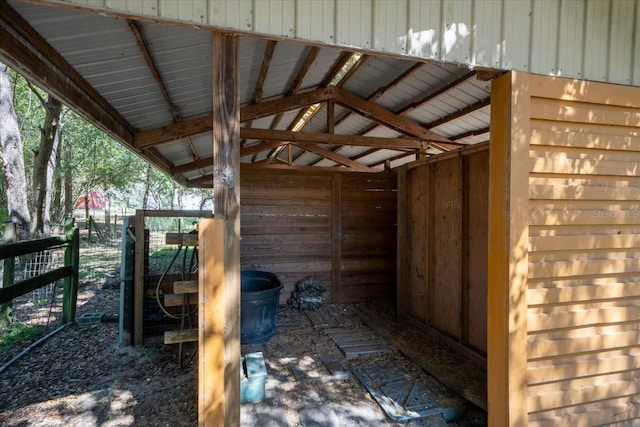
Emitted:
<point x="336" y="236"/>
<point x="138" y="278"/>
<point x="330" y="117"/>
<point x="211" y="319"/>
<point x="508" y="246"/>
<point x="8" y="273"/>
<point x="226" y="191"/>
<point x="401" y="233"/>
<point x="72" y="259"/>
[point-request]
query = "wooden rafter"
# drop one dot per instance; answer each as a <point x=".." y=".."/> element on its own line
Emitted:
<point x="262" y="76"/>
<point x="198" y="164"/>
<point x="386" y="117"/>
<point x="172" y="132"/>
<point x="173" y="109"/>
<point x="407" y="109"/>
<point x="335" y="70"/>
<point x="286" y="103"/>
<point x="264" y="69"/>
<point x="471" y="133"/>
<point x="262" y="146"/>
<point x="460" y="113"/>
<point x="334" y="139"/>
<point x="56" y="75"/>
<point x="382" y="90"/>
<point x="295" y="86"/>
<point x="333" y="156"/>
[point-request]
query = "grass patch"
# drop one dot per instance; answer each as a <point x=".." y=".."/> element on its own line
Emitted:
<point x="18" y="334"/>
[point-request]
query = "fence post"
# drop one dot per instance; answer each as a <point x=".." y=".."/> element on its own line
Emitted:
<point x="72" y="258"/>
<point x="8" y="273"/>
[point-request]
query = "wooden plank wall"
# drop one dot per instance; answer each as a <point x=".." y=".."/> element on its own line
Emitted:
<point x="337" y="226"/>
<point x="444" y="218"/>
<point x="286" y="225"/>
<point x="584" y="261"/>
<point x="368" y="236"/>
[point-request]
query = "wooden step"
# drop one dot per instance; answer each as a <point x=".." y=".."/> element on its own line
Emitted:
<point x="185" y="239"/>
<point x="185" y="335"/>
<point x="175" y="300"/>
<point x="185" y="287"/>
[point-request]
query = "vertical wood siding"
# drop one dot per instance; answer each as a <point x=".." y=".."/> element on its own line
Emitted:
<point x="586" y="39"/>
<point x="287" y="221"/>
<point x="584" y="257"/>
<point x="367" y="236"/>
<point x="444" y="224"/>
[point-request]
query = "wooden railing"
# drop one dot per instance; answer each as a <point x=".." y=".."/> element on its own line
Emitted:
<point x="10" y="250"/>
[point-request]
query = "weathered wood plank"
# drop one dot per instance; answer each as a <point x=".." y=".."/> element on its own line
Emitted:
<point x="175" y="300"/>
<point x="185" y="335"/>
<point x="185" y="239"/>
<point x="185" y="287"/>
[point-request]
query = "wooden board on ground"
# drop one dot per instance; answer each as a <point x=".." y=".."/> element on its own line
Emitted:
<point x="336" y="371"/>
<point x="357" y="343"/>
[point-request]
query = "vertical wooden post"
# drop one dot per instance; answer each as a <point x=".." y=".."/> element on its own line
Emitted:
<point x="71" y="258"/>
<point x="508" y="246"/>
<point x="138" y="278"/>
<point x="401" y="235"/>
<point x="8" y="273"/>
<point x="336" y="236"/>
<point x="330" y="117"/>
<point x="226" y="192"/>
<point x="211" y="320"/>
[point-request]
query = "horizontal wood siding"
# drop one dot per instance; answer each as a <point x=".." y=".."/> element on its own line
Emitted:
<point x="445" y="247"/>
<point x="368" y="204"/>
<point x="584" y="254"/>
<point x="286" y="225"/>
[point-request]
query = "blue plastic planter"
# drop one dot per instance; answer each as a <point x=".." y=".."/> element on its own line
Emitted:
<point x="259" y="297"/>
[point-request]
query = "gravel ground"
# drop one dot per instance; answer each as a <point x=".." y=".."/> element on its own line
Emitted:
<point x="82" y="377"/>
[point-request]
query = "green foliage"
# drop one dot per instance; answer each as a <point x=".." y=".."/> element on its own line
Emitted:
<point x="96" y="161"/>
<point x="18" y="334"/>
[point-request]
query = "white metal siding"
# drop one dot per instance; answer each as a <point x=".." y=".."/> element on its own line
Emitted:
<point x="587" y="39"/>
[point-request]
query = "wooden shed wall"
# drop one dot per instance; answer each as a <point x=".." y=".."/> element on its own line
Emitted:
<point x="583" y="297"/>
<point x="339" y="227"/>
<point x="443" y="211"/>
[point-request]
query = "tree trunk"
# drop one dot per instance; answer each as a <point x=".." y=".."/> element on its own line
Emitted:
<point x="13" y="159"/>
<point x="147" y="188"/>
<point x="69" y="202"/>
<point x="41" y="182"/>
<point x="56" y="202"/>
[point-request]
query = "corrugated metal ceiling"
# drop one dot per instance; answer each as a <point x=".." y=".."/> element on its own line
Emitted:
<point x="105" y="51"/>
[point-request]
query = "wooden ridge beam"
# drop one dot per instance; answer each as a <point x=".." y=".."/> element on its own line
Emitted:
<point x="334" y="139"/>
<point x="333" y="156"/>
<point x="385" y="117"/>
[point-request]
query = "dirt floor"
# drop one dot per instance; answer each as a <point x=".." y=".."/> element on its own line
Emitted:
<point x="82" y="377"/>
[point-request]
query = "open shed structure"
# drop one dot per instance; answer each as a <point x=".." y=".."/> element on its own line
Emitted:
<point x="476" y="160"/>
